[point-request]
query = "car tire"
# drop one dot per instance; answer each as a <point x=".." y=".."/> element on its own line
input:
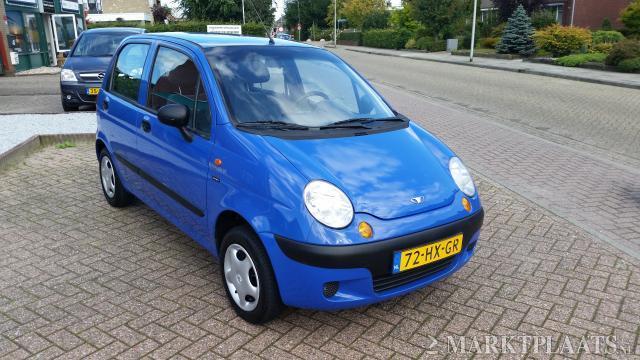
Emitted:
<point x="248" y="277"/>
<point x="114" y="192"/>
<point x="69" y="108"/>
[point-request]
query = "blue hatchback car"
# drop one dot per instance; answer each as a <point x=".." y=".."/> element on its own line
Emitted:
<point x="285" y="163"/>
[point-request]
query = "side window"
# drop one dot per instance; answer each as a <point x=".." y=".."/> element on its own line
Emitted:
<point x="128" y="71"/>
<point x="176" y="80"/>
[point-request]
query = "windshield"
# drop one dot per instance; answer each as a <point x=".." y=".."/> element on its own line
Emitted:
<point x="99" y="44"/>
<point x="302" y="86"/>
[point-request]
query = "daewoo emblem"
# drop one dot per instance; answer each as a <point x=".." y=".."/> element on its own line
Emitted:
<point x="417" y="199"/>
<point x="101" y="76"/>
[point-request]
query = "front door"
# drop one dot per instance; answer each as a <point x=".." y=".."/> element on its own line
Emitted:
<point x="177" y="166"/>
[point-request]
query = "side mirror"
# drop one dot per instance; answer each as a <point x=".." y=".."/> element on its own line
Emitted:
<point x="65" y="54"/>
<point x="176" y="115"/>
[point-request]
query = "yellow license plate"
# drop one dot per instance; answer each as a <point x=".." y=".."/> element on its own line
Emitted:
<point x="423" y="255"/>
<point x="93" y="91"/>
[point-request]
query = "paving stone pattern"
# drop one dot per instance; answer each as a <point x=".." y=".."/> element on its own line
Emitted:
<point x="79" y="279"/>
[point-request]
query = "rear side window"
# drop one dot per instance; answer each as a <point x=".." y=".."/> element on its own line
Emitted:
<point x="128" y="71"/>
<point x="175" y="80"/>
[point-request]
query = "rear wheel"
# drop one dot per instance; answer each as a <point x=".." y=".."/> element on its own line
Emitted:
<point x="248" y="276"/>
<point x="112" y="188"/>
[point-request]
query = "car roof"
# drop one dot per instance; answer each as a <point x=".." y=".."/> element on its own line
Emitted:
<point x="116" y="29"/>
<point x="207" y="40"/>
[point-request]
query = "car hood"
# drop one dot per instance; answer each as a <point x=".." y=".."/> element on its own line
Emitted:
<point x="80" y="64"/>
<point x="380" y="173"/>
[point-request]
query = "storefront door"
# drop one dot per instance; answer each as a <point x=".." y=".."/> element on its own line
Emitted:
<point x="65" y="31"/>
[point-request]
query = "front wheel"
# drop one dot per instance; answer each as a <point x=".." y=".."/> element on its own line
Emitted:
<point x="248" y="277"/>
<point x="114" y="192"/>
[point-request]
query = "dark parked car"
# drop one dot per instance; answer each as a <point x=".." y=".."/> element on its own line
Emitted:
<point x="83" y="71"/>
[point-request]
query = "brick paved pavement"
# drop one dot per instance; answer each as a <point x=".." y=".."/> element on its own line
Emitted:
<point x="79" y="279"/>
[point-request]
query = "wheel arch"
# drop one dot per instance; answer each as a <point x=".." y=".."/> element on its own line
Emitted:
<point x="227" y="220"/>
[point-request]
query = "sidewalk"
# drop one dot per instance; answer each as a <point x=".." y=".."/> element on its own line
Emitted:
<point x="14" y="129"/>
<point x="578" y="74"/>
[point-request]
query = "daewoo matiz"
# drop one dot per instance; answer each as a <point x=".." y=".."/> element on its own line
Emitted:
<point x="282" y="161"/>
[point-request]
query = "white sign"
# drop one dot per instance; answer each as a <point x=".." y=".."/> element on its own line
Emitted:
<point x="69" y="5"/>
<point x="15" y="59"/>
<point x="225" y="29"/>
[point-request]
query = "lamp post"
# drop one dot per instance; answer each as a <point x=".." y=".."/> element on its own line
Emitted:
<point x="243" y="18"/>
<point x="335" y="23"/>
<point x="473" y="29"/>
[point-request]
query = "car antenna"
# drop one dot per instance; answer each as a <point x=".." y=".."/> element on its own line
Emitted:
<point x="266" y="30"/>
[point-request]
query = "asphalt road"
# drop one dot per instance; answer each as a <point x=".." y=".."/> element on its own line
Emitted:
<point x="596" y="118"/>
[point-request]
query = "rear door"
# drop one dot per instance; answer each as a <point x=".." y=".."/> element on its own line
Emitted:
<point x="118" y="106"/>
<point x="176" y="167"/>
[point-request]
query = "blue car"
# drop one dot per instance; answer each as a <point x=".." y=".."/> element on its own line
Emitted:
<point x="284" y="163"/>
<point x="85" y="64"/>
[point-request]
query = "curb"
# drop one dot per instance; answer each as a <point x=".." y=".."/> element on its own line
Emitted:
<point x="495" y="67"/>
<point x="35" y="143"/>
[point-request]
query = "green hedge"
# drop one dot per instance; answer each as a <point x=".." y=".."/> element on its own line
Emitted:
<point x="630" y="65"/>
<point x="429" y="44"/>
<point x="252" y="29"/>
<point x="579" y="59"/>
<point x="350" y="38"/>
<point x="386" y="38"/>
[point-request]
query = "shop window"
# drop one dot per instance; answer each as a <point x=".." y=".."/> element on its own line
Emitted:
<point x="16" y="36"/>
<point x="33" y="35"/>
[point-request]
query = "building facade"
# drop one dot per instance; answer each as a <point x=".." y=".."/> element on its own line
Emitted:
<point x="38" y="30"/>
<point x="582" y="13"/>
<point x="120" y="10"/>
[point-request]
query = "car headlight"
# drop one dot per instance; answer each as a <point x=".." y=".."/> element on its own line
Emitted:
<point x="67" y="75"/>
<point x="461" y="176"/>
<point x="328" y="204"/>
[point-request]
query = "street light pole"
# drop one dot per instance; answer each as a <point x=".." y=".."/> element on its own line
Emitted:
<point x="573" y="11"/>
<point x="473" y="29"/>
<point x="243" y="19"/>
<point x="299" y="35"/>
<point x="335" y="23"/>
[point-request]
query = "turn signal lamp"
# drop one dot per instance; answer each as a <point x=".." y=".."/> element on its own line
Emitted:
<point x="365" y="230"/>
<point x="466" y="204"/>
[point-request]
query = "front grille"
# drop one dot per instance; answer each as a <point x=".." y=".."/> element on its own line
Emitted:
<point x="92" y="76"/>
<point x="387" y="282"/>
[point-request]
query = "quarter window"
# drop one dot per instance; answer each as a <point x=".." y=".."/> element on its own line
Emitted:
<point x="176" y="80"/>
<point x="127" y="74"/>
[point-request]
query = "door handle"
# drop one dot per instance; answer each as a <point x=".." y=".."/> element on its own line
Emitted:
<point x="146" y="125"/>
<point x="105" y="104"/>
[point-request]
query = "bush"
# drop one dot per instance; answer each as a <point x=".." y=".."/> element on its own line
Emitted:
<point x="106" y="24"/>
<point x="376" y="20"/>
<point x="624" y="50"/>
<point x="602" y="48"/>
<point x="350" y="38"/>
<point x="606" y="37"/>
<point x="498" y="30"/>
<point x="630" y="65"/>
<point x="563" y="40"/>
<point x="579" y="59"/>
<point x="543" y="18"/>
<point x="489" y="43"/>
<point x="429" y="44"/>
<point x="630" y="17"/>
<point x="606" y="24"/>
<point x="386" y="38"/>
<point x="251" y="29"/>
<point x="410" y="44"/>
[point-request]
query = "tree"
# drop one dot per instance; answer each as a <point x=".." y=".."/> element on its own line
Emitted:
<point x="517" y="37"/>
<point x="441" y="18"/>
<point x="228" y="10"/>
<point x="356" y="11"/>
<point x="160" y="13"/>
<point x="311" y="12"/>
<point x="331" y="10"/>
<point x="376" y="20"/>
<point x="630" y="17"/>
<point x="507" y="7"/>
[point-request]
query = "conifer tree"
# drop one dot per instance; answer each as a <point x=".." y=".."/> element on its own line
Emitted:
<point x="517" y="37"/>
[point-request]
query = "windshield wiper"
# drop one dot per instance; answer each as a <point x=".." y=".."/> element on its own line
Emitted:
<point x="359" y="122"/>
<point x="280" y="125"/>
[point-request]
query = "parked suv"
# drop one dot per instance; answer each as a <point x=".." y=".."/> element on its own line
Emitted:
<point x="283" y="162"/>
<point x="83" y="70"/>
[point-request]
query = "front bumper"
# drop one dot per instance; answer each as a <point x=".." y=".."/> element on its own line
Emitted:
<point x="364" y="271"/>
<point x="76" y="93"/>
